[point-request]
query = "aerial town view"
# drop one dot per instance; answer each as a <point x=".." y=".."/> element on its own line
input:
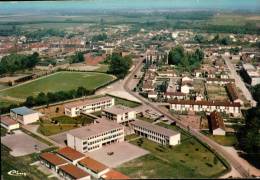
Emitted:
<point x="130" y="89"/>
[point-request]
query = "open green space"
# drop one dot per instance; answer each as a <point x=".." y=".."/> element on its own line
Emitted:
<point x="59" y="81"/>
<point x="228" y="140"/>
<point x="126" y="102"/>
<point x="62" y="124"/>
<point x="21" y="164"/>
<point x="131" y="137"/>
<point x="190" y="159"/>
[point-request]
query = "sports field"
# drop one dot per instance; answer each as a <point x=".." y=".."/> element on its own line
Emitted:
<point x="60" y="81"/>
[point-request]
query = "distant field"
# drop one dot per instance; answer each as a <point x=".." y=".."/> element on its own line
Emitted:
<point x="59" y="81"/>
<point x="190" y="159"/>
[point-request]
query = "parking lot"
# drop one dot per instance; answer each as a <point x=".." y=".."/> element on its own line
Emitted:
<point x="22" y="144"/>
<point x="116" y="154"/>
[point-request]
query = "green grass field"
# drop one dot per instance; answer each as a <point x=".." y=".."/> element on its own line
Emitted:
<point x="66" y="123"/>
<point x="190" y="159"/>
<point x="228" y="140"/>
<point x="59" y="81"/>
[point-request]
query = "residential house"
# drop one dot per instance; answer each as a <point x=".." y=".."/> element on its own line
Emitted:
<point x="216" y="124"/>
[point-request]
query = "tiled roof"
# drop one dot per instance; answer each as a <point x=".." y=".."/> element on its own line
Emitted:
<point x="216" y="121"/>
<point x="205" y="103"/>
<point x="74" y="171"/>
<point x="112" y="174"/>
<point x="6" y="120"/>
<point x="53" y="159"/>
<point x="92" y="164"/>
<point x="70" y="153"/>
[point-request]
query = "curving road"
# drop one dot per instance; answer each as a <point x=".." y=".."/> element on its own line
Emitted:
<point x="227" y="156"/>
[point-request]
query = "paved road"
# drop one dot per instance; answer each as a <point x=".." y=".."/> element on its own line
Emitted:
<point x="239" y="82"/>
<point x="232" y="161"/>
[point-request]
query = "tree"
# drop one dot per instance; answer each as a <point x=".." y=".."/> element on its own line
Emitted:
<point x="30" y="101"/>
<point x="119" y="66"/>
<point x="176" y="55"/>
<point x="78" y="57"/>
<point x="81" y="91"/>
<point x="256" y="92"/>
<point x="199" y="38"/>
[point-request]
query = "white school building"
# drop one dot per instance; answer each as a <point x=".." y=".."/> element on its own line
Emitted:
<point x="88" y="106"/>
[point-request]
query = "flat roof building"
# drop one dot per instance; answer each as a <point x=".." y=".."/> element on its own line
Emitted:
<point x="156" y="133"/>
<point x="24" y="115"/>
<point x="74" y="109"/>
<point x="119" y="114"/>
<point x="94" y="136"/>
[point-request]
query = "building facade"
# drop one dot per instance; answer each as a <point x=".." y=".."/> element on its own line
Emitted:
<point x="207" y="106"/>
<point x="156" y="133"/>
<point x="94" y="136"/>
<point x="24" y="115"/>
<point x="119" y="114"/>
<point x="88" y="106"/>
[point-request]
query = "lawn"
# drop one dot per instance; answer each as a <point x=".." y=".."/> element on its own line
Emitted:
<point x="59" y="81"/>
<point x="63" y="123"/>
<point x="126" y="102"/>
<point x="228" y="140"/>
<point x="190" y="159"/>
<point x="22" y="164"/>
<point x="131" y="137"/>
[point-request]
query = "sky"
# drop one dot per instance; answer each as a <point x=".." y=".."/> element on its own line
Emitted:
<point x="112" y="5"/>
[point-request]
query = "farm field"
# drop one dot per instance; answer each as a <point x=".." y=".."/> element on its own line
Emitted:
<point x="59" y="81"/>
<point x="190" y="159"/>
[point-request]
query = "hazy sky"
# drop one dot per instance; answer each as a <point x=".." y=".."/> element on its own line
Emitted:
<point x="90" y="5"/>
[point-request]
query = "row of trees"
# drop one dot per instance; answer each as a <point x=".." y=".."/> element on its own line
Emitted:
<point x="118" y="65"/>
<point x="15" y="62"/>
<point x="185" y="60"/>
<point x="99" y="37"/>
<point x="217" y="39"/>
<point x="52" y="97"/>
<point x="249" y="135"/>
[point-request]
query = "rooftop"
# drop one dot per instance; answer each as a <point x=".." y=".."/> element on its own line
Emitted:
<point x="216" y="121"/>
<point x="118" y="109"/>
<point x="74" y="171"/>
<point x="112" y="174"/>
<point x="100" y="127"/>
<point x="70" y="153"/>
<point x="92" y="164"/>
<point x="6" y="120"/>
<point x="204" y="102"/>
<point x="87" y="101"/>
<point x="53" y="159"/>
<point x="154" y="128"/>
<point x="23" y="110"/>
<point x="232" y="91"/>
